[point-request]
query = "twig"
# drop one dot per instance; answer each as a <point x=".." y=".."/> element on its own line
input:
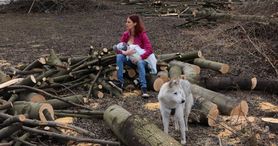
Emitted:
<point x="31" y="6"/>
<point x="259" y="50"/>
<point x="74" y="138"/>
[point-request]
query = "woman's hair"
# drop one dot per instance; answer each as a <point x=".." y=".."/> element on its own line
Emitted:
<point x="139" y="27"/>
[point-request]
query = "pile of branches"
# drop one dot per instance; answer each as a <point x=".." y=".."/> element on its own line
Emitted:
<point x="49" y="6"/>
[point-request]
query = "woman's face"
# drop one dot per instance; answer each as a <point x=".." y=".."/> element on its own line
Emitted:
<point x="130" y="24"/>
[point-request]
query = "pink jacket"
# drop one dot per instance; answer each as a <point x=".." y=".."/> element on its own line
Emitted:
<point x="142" y="40"/>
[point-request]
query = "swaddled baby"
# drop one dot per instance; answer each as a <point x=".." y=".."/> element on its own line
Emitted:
<point x="136" y="56"/>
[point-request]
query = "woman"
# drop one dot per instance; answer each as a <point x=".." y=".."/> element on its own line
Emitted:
<point x="135" y="34"/>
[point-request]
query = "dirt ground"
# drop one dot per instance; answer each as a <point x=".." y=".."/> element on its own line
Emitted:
<point x="26" y="37"/>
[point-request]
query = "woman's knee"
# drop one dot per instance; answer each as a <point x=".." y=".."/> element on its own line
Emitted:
<point x="120" y="57"/>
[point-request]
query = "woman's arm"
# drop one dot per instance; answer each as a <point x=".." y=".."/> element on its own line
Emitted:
<point x="147" y="46"/>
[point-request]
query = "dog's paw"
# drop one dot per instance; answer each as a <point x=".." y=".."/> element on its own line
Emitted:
<point x="183" y="142"/>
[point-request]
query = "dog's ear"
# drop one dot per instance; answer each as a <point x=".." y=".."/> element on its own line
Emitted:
<point x="174" y="82"/>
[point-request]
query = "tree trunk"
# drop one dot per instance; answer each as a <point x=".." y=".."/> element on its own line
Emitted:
<point x="175" y="72"/>
<point x="190" y="71"/>
<point x="58" y="104"/>
<point x="135" y="131"/>
<point x="204" y="111"/>
<point x="223" y="68"/>
<point x="226" y="104"/>
<point x="224" y="83"/>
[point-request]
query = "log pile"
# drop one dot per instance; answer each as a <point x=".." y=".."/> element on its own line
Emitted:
<point x="28" y="106"/>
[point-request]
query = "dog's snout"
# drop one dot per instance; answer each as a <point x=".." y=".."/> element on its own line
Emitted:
<point x="182" y="101"/>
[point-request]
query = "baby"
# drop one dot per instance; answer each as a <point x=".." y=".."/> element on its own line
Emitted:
<point x="136" y="56"/>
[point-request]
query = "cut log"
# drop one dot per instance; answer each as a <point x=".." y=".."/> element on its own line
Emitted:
<point x="157" y="84"/>
<point x="226" y="83"/>
<point x="162" y="65"/>
<point x="28" y="81"/>
<point x="54" y="60"/>
<point x="58" y="104"/>
<point x="204" y="111"/>
<point x="4" y="77"/>
<point x="268" y="109"/>
<point x="133" y="130"/>
<point x="272" y="123"/>
<point x="221" y="67"/>
<point x="227" y="105"/>
<point x="33" y="110"/>
<point x="267" y="86"/>
<point x="164" y="75"/>
<point x="32" y="97"/>
<point x="175" y="72"/>
<point x="35" y="64"/>
<point x="191" y="72"/>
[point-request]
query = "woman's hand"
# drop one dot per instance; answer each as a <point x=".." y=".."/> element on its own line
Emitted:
<point x="129" y="52"/>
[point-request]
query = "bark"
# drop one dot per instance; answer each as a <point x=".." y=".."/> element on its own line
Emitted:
<point x="58" y="104"/>
<point x="226" y="83"/>
<point x="28" y="81"/>
<point x="221" y="67"/>
<point x="133" y="130"/>
<point x="267" y="86"/>
<point x="32" y="97"/>
<point x="9" y="130"/>
<point x="227" y="105"/>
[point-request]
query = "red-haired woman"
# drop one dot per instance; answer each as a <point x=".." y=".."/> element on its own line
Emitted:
<point x="135" y="34"/>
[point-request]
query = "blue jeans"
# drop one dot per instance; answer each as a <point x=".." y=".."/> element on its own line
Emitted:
<point x="141" y="67"/>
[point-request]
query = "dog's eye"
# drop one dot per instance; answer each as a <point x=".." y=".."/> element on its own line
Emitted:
<point x="176" y="93"/>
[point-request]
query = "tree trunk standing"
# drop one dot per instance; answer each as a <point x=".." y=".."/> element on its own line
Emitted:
<point x="226" y="105"/>
<point x="135" y="131"/>
<point x="224" y="83"/>
<point x="223" y="68"/>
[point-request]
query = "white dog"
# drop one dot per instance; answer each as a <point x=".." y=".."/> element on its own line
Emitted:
<point x="175" y="98"/>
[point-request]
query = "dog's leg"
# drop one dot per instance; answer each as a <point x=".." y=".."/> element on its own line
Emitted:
<point x="176" y="119"/>
<point x="165" y="119"/>
<point x="180" y="118"/>
<point x="187" y="111"/>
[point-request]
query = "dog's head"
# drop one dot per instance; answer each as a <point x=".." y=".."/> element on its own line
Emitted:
<point x="171" y="93"/>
